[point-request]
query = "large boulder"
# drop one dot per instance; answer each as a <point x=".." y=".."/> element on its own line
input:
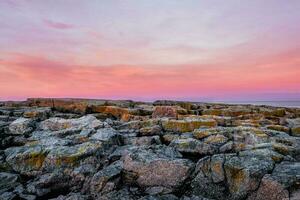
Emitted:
<point x="107" y="135"/>
<point x="209" y="180"/>
<point x="38" y="113"/>
<point x="243" y="174"/>
<point x="294" y="124"/>
<point x="283" y="183"/>
<point x="21" y="126"/>
<point x="106" y="179"/>
<point x="151" y="168"/>
<point x="85" y="122"/>
<point x="190" y="146"/>
<point x="187" y="125"/>
<point x="8" y="182"/>
<point x="168" y="111"/>
<point x="26" y="159"/>
<point x="71" y="156"/>
<point x="228" y="176"/>
<point x="124" y="114"/>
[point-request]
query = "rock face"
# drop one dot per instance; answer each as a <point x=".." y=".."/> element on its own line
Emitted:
<point x="81" y="149"/>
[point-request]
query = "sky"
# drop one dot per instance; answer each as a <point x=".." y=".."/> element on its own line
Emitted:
<point x="198" y="50"/>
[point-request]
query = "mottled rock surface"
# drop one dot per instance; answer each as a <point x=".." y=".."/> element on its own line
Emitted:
<point x="83" y="149"/>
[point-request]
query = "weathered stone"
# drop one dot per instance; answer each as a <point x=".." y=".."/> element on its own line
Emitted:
<point x="294" y="124"/>
<point x="37" y="113"/>
<point x="168" y="111"/>
<point x="150" y="130"/>
<point x="26" y="159"/>
<point x="21" y="126"/>
<point x="182" y="126"/>
<point x="244" y="173"/>
<point x="56" y="124"/>
<point x="64" y="156"/>
<point x="140" y="141"/>
<point x="8" y="182"/>
<point x="106" y="176"/>
<point x="151" y="168"/>
<point x="107" y="135"/>
<point x="217" y="140"/>
<point x="115" y="111"/>
<point x="72" y="196"/>
<point x="279" y="128"/>
<point x="122" y="194"/>
<point x="119" y="150"/>
<point x="208" y="174"/>
<point x="192" y="146"/>
<point x="269" y="189"/>
<point x="63" y="105"/>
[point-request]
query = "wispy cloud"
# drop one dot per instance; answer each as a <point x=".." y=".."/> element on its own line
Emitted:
<point x="57" y="25"/>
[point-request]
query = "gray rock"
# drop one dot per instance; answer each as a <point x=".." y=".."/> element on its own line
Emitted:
<point x="107" y="135"/>
<point x="68" y="157"/>
<point x="106" y="179"/>
<point x="85" y="122"/>
<point x="148" y="168"/>
<point x="192" y="146"/>
<point x="243" y="174"/>
<point x="21" y="126"/>
<point x="8" y="182"/>
<point x="26" y="160"/>
<point x="294" y="124"/>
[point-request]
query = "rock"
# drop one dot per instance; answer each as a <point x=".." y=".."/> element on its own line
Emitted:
<point x="122" y="194"/>
<point x="8" y="196"/>
<point x="208" y="174"/>
<point x="294" y="124"/>
<point x="269" y="189"/>
<point x="38" y="113"/>
<point x="268" y="112"/>
<point x="85" y="122"/>
<point x="168" y="111"/>
<point x="160" y="197"/>
<point x="150" y="130"/>
<point x="244" y="173"/>
<point x="72" y="196"/>
<point x="216" y="140"/>
<point x="279" y="128"/>
<point x="182" y="126"/>
<point x="280" y="184"/>
<point x="107" y="135"/>
<point x="236" y="111"/>
<point x="192" y="146"/>
<point x="140" y="141"/>
<point x="26" y="160"/>
<point x="63" y="105"/>
<point x="49" y="183"/>
<point x="8" y="182"/>
<point x="124" y="114"/>
<point x="101" y="149"/>
<point x="148" y="168"/>
<point x="106" y="180"/>
<point x="21" y="126"/>
<point x="64" y="156"/>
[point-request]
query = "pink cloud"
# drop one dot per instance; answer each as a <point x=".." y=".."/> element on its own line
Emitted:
<point x="57" y="25"/>
<point x="37" y="76"/>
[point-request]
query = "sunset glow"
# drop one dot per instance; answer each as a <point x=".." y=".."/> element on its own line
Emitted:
<point x="146" y="50"/>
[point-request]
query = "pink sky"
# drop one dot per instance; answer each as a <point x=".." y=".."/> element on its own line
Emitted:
<point x="147" y="50"/>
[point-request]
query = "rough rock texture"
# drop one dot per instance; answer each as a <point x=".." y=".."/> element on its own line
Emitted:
<point x="82" y="149"/>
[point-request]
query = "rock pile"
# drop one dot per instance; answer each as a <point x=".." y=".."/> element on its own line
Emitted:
<point x="98" y="149"/>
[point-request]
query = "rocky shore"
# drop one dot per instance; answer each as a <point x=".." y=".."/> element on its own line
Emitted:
<point x="100" y="149"/>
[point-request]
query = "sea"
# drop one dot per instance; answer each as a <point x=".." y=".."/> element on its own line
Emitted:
<point x="290" y="104"/>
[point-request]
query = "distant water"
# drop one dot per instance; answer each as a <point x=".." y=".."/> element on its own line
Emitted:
<point x="295" y="104"/>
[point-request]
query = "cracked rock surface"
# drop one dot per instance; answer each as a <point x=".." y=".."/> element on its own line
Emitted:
<point x="81" y="149"/>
